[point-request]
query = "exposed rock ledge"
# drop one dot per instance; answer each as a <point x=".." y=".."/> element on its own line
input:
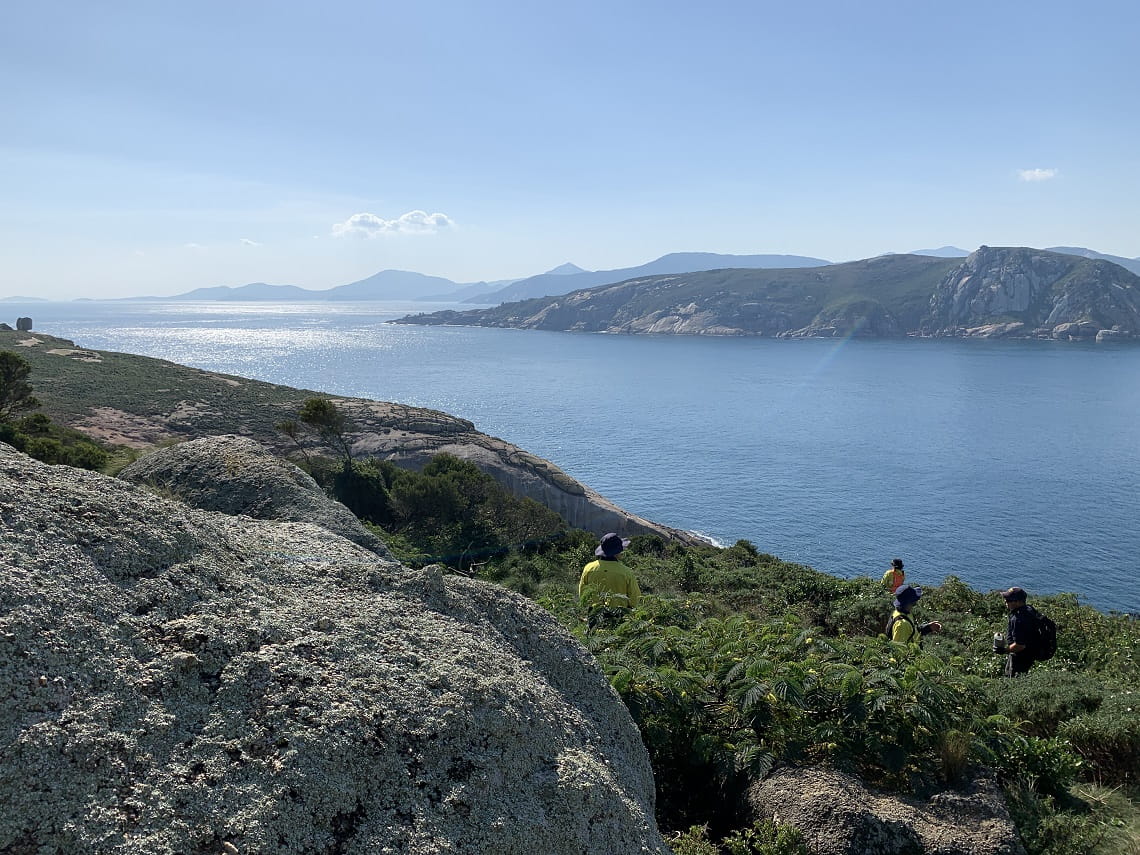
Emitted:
<point x="179" y="681"/>
<point x="838" y="815"/>
<point x="140" y="401"/>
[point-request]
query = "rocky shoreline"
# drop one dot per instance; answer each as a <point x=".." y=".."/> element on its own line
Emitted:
<point x="141" y="402"/>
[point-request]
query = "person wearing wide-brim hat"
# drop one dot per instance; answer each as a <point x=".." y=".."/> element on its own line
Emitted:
<point x="894" y="576"/>
<point x="606" y="582"/>
<point x="901" y="627"/>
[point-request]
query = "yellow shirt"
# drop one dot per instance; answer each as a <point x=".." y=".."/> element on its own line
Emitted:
<point x="903" y="629"/>
<point x="611" y="582"/>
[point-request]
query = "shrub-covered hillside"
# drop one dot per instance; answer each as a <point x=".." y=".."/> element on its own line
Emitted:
<point x="736" y="662"/>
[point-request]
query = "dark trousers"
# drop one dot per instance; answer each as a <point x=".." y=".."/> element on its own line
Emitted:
<point x="1016" y="665"/>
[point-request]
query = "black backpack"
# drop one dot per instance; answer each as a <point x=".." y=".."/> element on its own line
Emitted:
<point x="1046" y="638"/>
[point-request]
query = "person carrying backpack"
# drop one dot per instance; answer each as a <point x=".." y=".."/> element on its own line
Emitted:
<point x="1029" y="637"/>
<point x="901" y="627"/>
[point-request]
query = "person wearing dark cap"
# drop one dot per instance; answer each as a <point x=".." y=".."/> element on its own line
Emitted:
<point x="894" y="576"/>
<point x="1020" y="633"/>
<point x="606" y="583"/>
<point x="901" y="627"/>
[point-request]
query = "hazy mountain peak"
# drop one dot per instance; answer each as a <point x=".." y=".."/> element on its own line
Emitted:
<point x="1130" y="264"/>
<point x="942" y="252"/>
<point x="566" y="269"/>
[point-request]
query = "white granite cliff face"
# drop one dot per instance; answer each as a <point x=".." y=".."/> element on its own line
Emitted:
<point x="174" y="680"/>
<point x="1001" y="292"/>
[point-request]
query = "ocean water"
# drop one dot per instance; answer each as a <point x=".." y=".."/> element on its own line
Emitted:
<point x="1004" y="463"/>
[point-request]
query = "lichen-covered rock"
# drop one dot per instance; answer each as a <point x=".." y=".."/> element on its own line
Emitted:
<point x="174" y="680"/>
<point x="838" y="815"/>
<point x="235" y="475"/>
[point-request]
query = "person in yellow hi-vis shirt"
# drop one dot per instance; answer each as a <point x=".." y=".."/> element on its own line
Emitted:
<point x="606" y="583"/>
<point x="901" y="627"/>
<point x="894" y="576"/>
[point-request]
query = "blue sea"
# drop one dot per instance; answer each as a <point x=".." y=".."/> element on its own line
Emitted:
<point x="1003" y="463"/>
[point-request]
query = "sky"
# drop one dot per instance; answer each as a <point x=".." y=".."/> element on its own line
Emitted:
<point x="149" y="148"/>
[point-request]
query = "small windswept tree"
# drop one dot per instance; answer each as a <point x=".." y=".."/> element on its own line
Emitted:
<point x="291" y="429"/>
<point x="15" y="390"/>
<point x="322" y="417"/>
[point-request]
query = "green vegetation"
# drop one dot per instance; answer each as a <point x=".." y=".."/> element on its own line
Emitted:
<point x="70" y="388"/>
<point x="753" y="300"/>
<point x="450" y="513"/>
<point x="737" y="661"/>
<point x="322" y="417"/>
<point x="37" y="435"/>
<point x="15" y="390"/>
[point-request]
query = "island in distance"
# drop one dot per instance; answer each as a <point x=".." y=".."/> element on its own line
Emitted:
<point x="995" y="292"/>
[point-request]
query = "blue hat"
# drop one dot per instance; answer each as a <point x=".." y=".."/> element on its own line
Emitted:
<point x="907" y="595"/>
<point x="610" y="546"/>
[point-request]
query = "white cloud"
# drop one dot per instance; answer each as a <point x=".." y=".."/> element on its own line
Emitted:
<point x="413" y="222"/>
<point x="193" y="246"/>
<point x="1036" y="174"/>
<point x="249" y="242"/>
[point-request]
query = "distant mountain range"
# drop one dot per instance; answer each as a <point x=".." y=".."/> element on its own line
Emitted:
<point x="994" y="292"/>
<point x="556" y="282"/>
<point x="943" y="252"/>
<point x="1132" y="264"/>
<point x="408" y="285"/>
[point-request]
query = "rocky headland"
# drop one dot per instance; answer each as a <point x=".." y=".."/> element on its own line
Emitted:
<point x="1007" y="292"/>
<point x="178" y="680"/>
<point x="142" y="402"/>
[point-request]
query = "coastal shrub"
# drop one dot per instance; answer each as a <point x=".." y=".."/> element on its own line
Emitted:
<point x="695" y="841"/>
<point x="1043" y="765"/>
<point x="743" y="553"/>
<point x="734" y="663"/>
<point x="451" y="512"/>
<point x="1041" y="700"/>
<point x="15" y="390"/>
<point x="39" y="437"/>
<point x="1046" y="829"/>
<point x="35" y="434"/>
<point x="954" y="596"/>
<point x="364" y="491"/>
<point x="763" y="838"/>
<point x="865" y="612"/>
<point x="1108" y="740"/>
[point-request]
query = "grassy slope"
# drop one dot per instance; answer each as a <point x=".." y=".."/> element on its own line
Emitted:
<point x="70" y="388"/>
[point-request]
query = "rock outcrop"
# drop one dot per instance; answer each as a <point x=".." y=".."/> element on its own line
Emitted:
<point x="1009" y="292"/>
<point x="24" y="324"/>
<point x="139" y="401"/>
<point x="1049" y="294"/>
<point x="838" y="815"/>
<point x="235" y="475"/>
<point x="175" y="680"/>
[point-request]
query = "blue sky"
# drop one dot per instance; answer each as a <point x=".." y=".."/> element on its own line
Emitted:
<point x="151" y="147"/>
